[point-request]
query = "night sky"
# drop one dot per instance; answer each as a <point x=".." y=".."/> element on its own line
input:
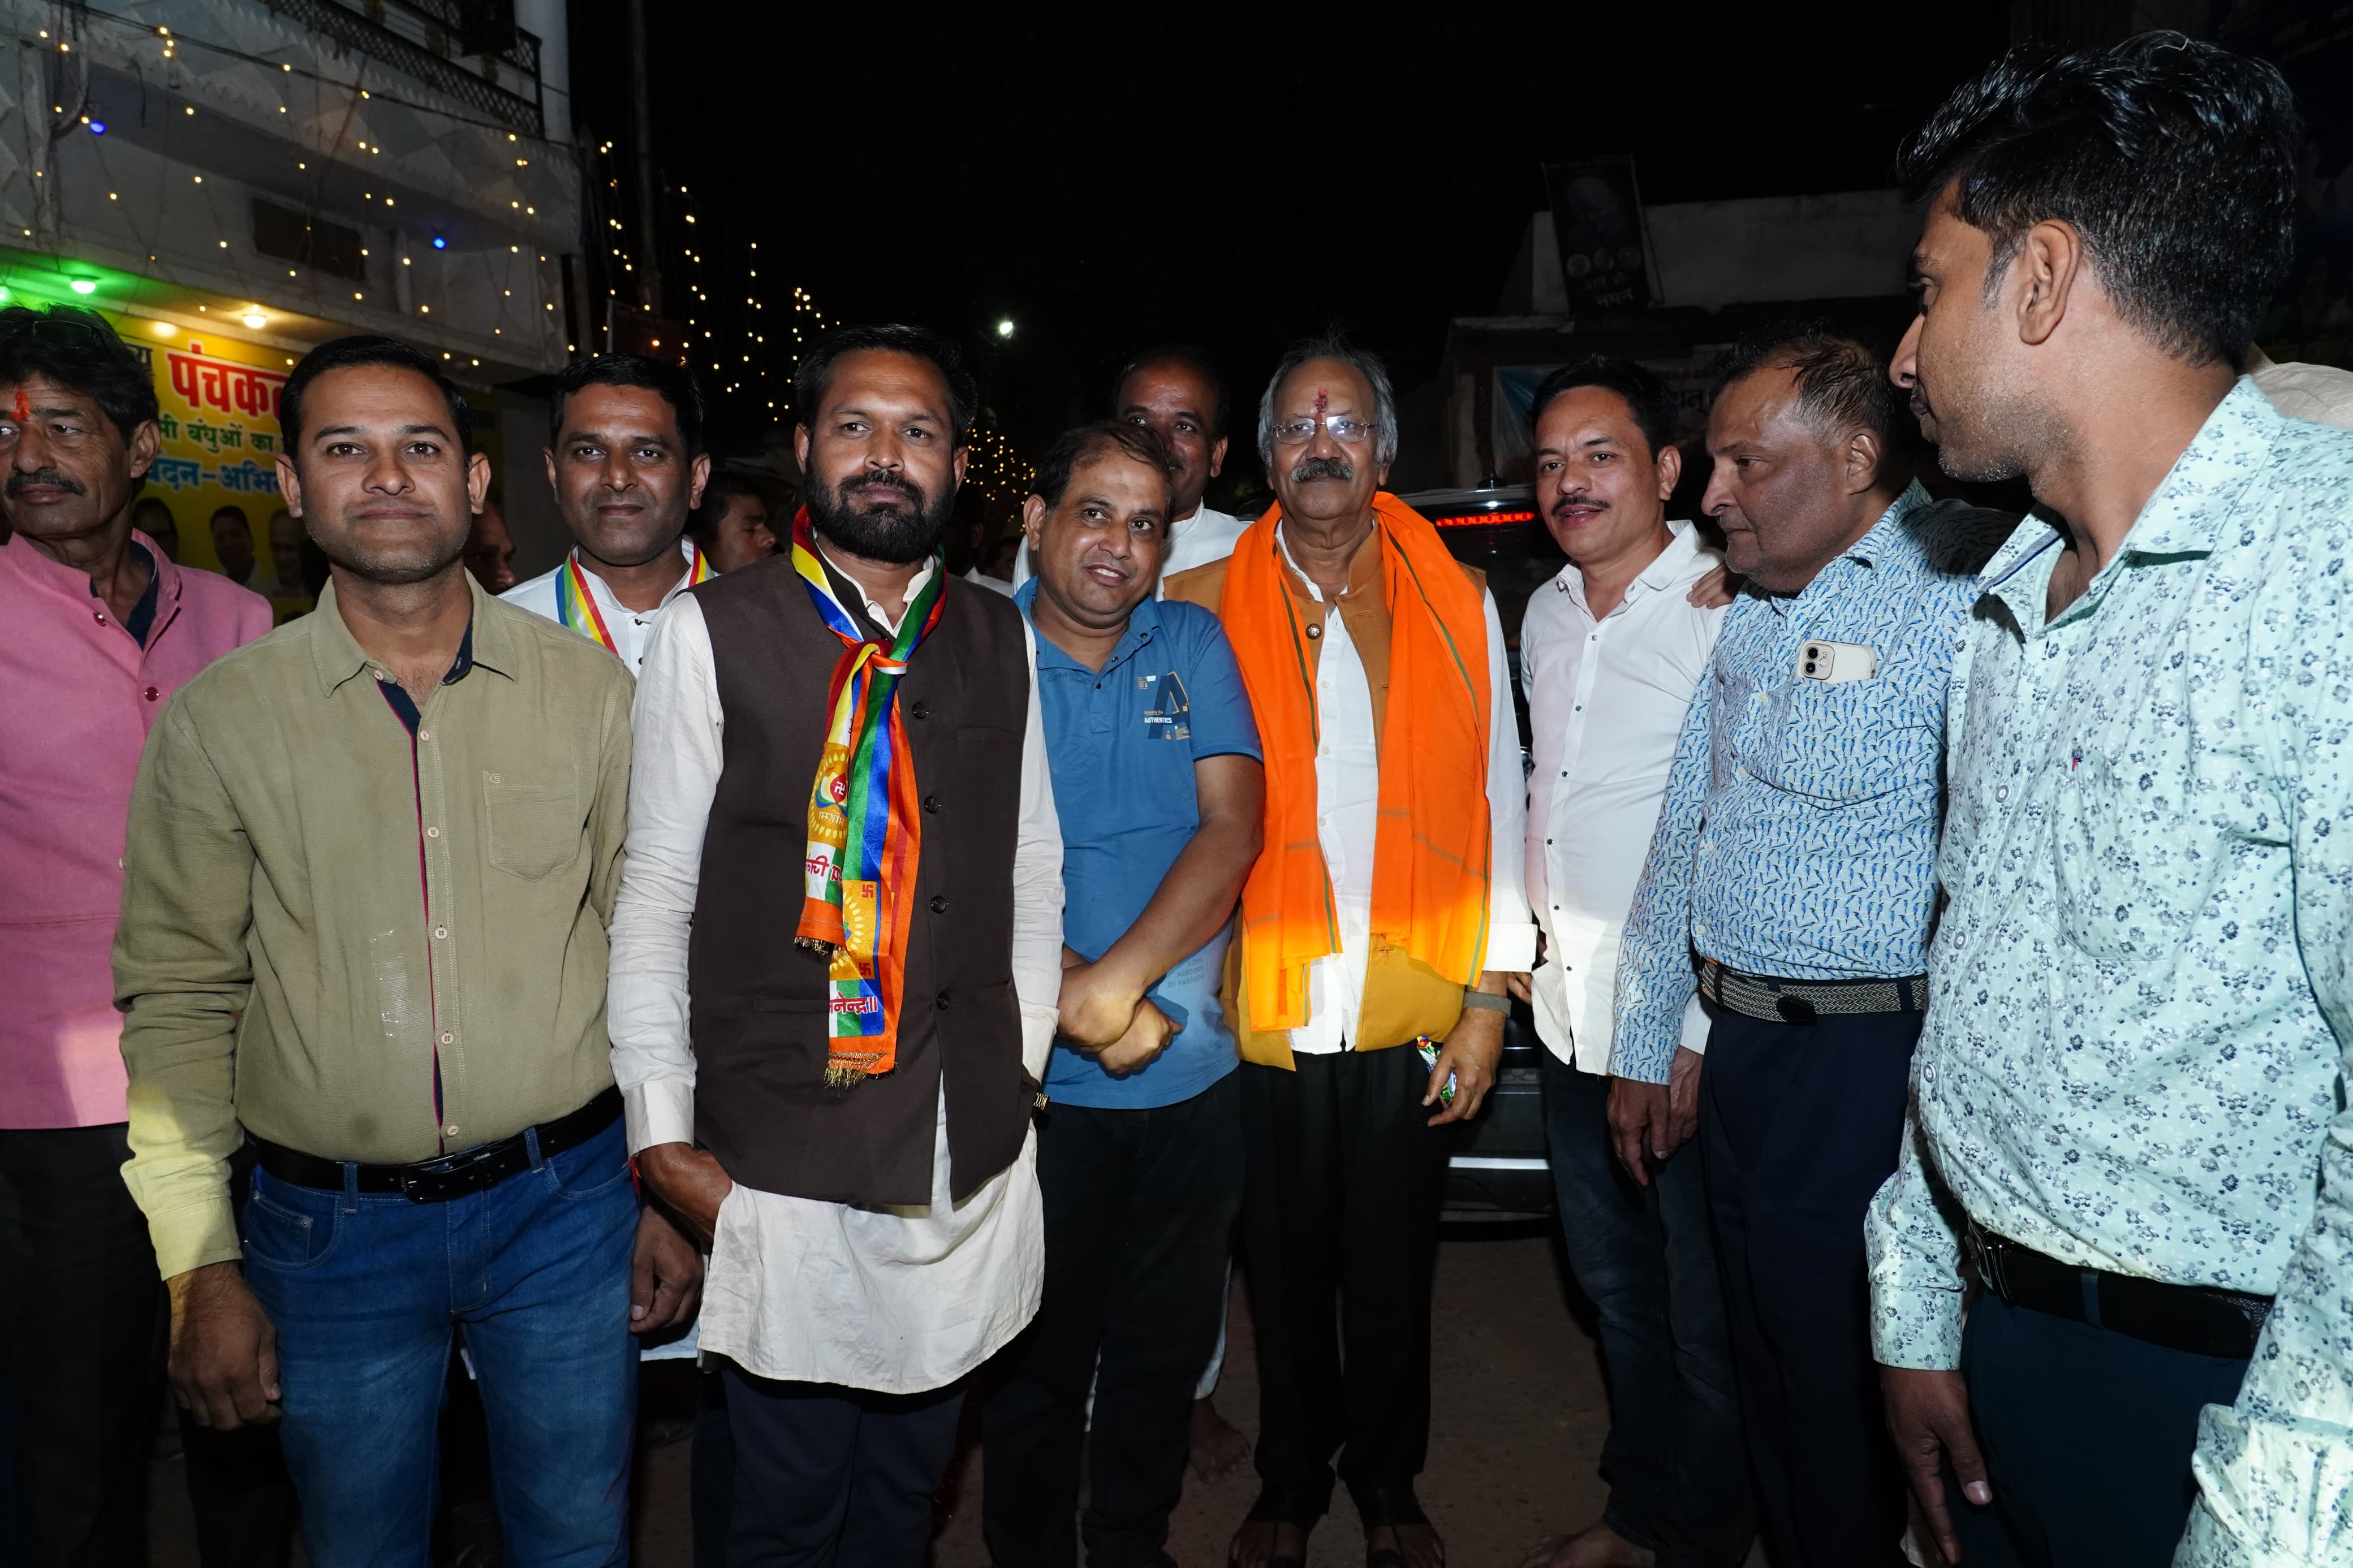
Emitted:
<point x="1114" y="176"/>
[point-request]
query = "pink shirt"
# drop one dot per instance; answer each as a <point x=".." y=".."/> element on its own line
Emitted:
<point x="77" y="699"/>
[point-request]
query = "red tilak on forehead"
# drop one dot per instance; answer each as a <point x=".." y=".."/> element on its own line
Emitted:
<point x="23" y="410"/>
<point x="1322" y="401"/>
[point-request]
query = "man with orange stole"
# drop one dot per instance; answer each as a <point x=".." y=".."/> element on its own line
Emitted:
<point x="1383" y="915"/>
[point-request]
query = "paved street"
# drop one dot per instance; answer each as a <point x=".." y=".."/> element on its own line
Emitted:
<point x="1517" y="1420"/>
<point x="1518" y="1423"/>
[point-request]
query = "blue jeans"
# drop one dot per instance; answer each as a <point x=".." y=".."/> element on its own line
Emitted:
<point x="1645" y="1256"/>
<point x="364" y="1290"/>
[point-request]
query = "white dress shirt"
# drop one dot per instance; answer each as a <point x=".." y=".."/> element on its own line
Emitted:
<point x="631" y="628"/>
<point x="1606" y="705"/>
<point x="1196" y="539"/>
<point x="1347" y="798"/>
<point x="896" y="1299"/>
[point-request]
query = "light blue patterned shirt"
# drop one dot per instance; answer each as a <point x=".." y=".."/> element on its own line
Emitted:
<point x="1798" y="837"/>
<point x="2142" y="985"/>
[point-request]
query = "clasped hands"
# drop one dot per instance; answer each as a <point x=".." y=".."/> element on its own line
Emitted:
<point x="1102" y="1011"/>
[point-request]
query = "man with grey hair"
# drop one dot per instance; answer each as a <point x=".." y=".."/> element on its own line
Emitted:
<point x="1795" y="855"/>
<point x="1384" y="915"/>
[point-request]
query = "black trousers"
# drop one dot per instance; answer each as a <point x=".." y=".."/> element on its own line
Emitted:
<point x="1340" y="1195"/>
<point x="1139" y="1219"/>
<point x="84" y="1321"/>
<point x="826" y="1476"/>
<point x="712" y="1465"/>
<point x="2087" y="1435"/>
<point x="1800" y="1125"/>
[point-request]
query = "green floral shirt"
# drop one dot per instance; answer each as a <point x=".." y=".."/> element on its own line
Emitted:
<point x="2141" y="989"/>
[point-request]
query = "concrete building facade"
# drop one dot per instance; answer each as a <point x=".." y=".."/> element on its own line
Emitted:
<point x="232" y="182"/>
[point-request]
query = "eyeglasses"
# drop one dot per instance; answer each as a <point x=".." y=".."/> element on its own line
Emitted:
<point x="1347" y="429"/>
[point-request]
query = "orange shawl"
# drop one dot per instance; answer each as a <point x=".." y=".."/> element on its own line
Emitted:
<point x="1431" y="846"/>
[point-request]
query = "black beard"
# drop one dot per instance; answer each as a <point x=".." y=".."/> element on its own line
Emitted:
<point x="899" y="535"/>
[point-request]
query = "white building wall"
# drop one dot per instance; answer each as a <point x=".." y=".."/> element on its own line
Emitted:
<point x="205" y="116"/>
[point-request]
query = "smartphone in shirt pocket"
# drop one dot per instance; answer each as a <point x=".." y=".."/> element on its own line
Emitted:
<point x="1837" y="662"/>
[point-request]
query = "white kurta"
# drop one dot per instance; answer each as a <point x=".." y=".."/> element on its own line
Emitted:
<point x="631" y="628"/>
<point x="896" y="1301"/>
<point x="1347" y="799"/>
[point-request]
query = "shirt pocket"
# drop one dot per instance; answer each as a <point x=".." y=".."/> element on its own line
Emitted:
<point x="1845" y="743"/>
<point x="533" y="821"/>
<point x="2131" y="872"/>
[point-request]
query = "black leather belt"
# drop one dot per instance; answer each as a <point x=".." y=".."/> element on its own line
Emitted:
<point x="2198" y="1319"/>
<point x="451" y="1176"/>
<point x="1804" y="1001"/>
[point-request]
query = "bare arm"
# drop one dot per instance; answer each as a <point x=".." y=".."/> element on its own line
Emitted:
<point x="1100" y="999"/>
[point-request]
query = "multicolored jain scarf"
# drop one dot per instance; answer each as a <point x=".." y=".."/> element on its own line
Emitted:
<point x="575" y="606"/>
<point x="865" y="832"/>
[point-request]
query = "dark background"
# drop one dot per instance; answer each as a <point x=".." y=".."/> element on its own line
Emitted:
<point x="1111" y="177"/>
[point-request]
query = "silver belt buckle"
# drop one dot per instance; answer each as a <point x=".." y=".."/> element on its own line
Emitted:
<point x="1988" y="1259"/>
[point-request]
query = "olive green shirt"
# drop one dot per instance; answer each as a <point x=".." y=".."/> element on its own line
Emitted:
<point x="330" y="926"/>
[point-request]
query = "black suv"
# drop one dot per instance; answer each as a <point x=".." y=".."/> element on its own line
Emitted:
<point x="1497" y="1168"/>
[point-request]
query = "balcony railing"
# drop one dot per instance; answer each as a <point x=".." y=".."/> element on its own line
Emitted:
<point x="437" y="21"/>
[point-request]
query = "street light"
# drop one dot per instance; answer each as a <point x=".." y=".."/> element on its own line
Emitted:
<point x="1005" y="328"/>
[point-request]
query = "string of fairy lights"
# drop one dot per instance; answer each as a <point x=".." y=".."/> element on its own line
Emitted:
<point x="330" y="132"/>
<point x="748" y="374"/>
<point x="995" y="469"/>
<point x="736" y="353"/>
<point x="730" y="343"/>
<point x="727" y="343"/>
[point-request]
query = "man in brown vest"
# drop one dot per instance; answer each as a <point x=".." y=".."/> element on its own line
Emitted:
<point x="836" y="952"/>
<point x="1383" y="914"/>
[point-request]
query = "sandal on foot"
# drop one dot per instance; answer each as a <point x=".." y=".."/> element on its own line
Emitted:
<point x="1389" y="1505"/>
<point x="1278" y="1506"/>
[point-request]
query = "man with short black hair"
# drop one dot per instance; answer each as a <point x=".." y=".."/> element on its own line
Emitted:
<point x="2130" y="1131"/>
<point x="626" y="460"/>
<point x="1795" y="855"/>
<point x="367" y="873"/>
<point x="1612" y="650"/>
<point x="735" y="523"/>
<point x="1176" y="394"/>
<point x="836" y="959"/>
<point x="1160" y="796"/>
<point x="103" y="627"/>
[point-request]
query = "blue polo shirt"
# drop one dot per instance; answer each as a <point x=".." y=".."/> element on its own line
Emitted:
<point x="1120" y="744"/>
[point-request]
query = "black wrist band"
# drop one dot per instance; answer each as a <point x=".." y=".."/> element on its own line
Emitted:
<point x="1485" y="1003"/>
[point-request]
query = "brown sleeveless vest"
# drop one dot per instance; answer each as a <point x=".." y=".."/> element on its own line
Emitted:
<point x="758" y="1019"/>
